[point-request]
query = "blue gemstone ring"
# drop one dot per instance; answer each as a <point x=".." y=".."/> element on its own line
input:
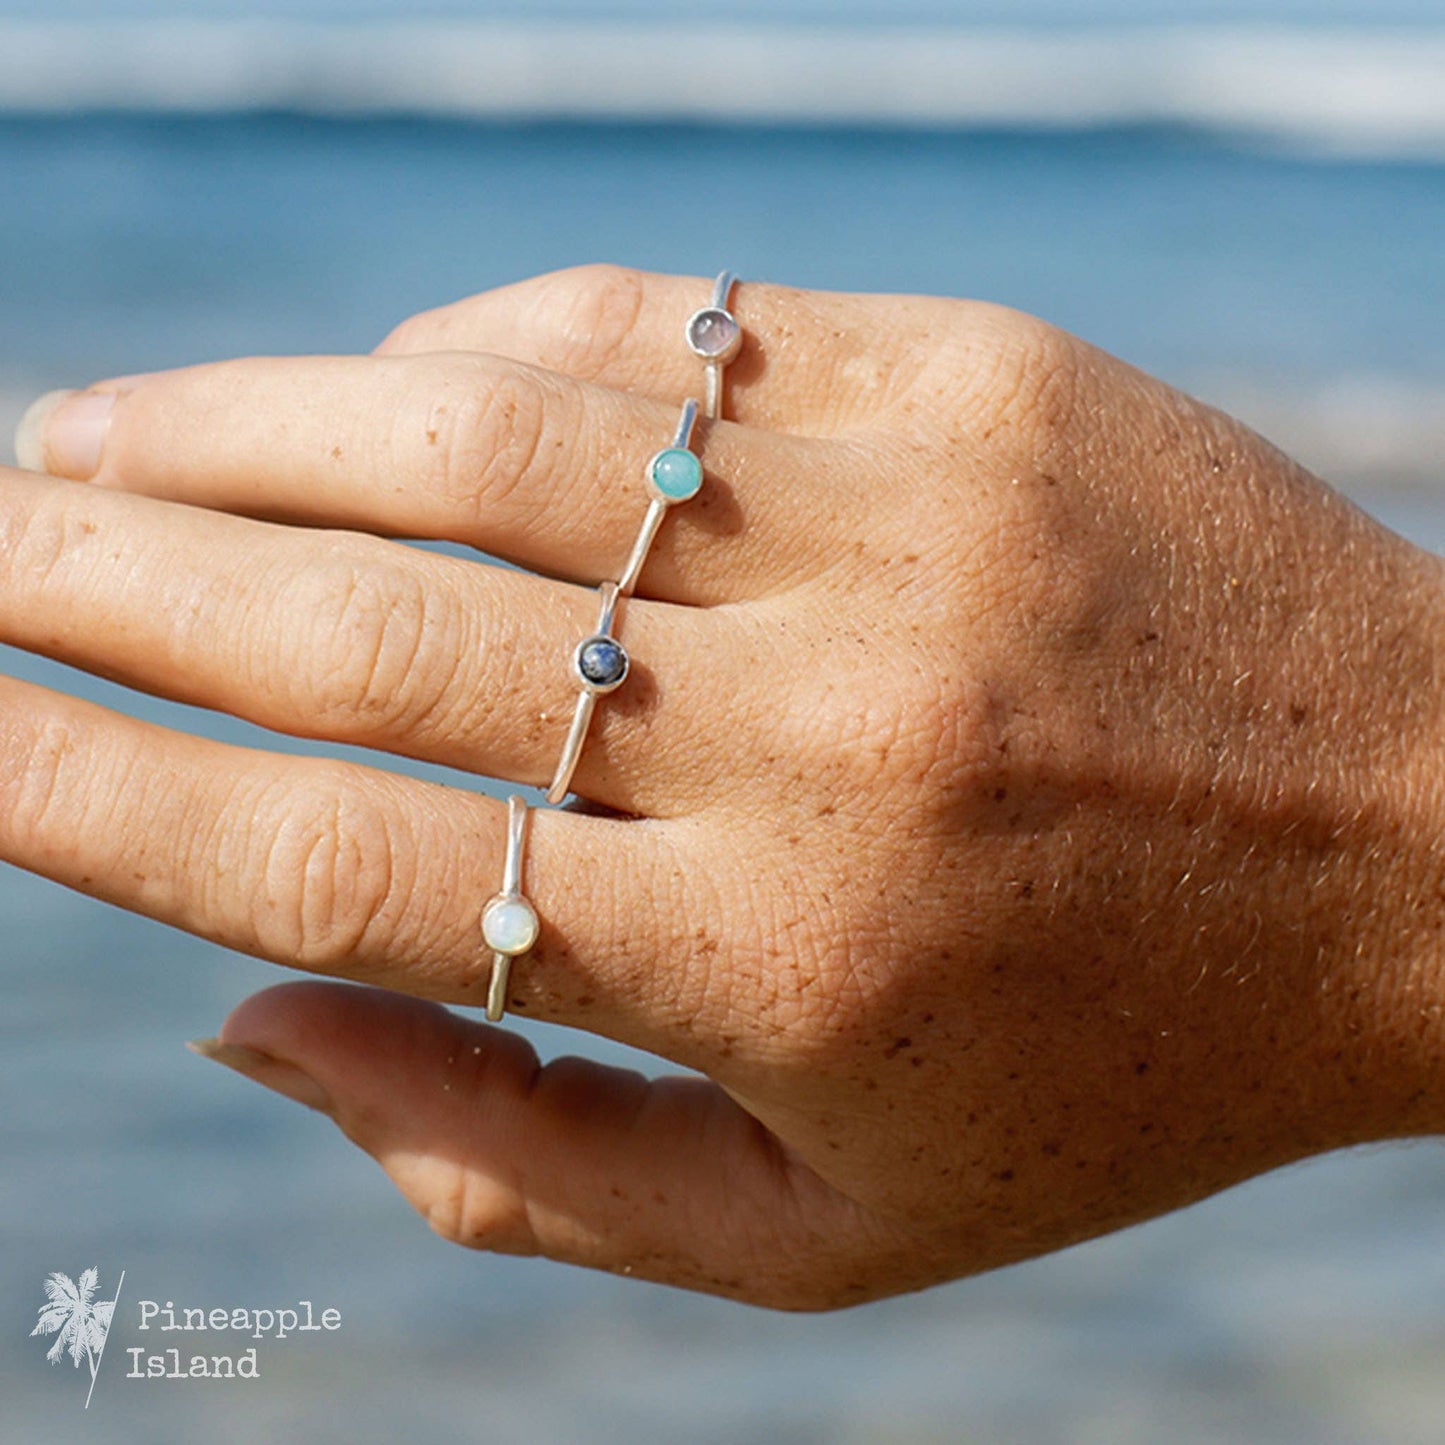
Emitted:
<point x="600" y="665"/>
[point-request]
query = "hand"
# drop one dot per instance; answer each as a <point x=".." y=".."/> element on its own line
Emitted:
<point x="1029" y="779"/>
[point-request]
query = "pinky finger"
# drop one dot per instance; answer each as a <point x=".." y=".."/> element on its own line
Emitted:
<point x="337" y="868"/>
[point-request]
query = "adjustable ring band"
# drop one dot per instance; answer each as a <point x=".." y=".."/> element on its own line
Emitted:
<point x="674" y="475"/>
<point x="714" y="334"/>
<point x="600" y="664"/>
<point x="509" y="923"/>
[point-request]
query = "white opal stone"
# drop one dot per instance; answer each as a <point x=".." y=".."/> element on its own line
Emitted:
<point x="509" y="925"/>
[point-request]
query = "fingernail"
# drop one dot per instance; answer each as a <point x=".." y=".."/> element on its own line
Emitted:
<point x="30" y="434"/>
<point x="265" y="1069"/>
<point x="63" y="433"/>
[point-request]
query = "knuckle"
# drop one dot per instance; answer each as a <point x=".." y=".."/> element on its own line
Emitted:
<point x="329" y="878"/>
<point x="376" y="650"/>
<point x="488" y="431"/>
<point x="40" y="532"/>
<point x="789" y="950"/>
<point x="1030" y="382"/>
<point x="37" y="755"/>
<point x="587" y="317"/>
<point x="466" y="1207"/>
<point x="876" y="737"/>
<point x="422" y="332"/>
<point x="442" y="328"/>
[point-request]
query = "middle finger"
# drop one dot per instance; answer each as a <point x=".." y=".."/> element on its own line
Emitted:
<point x="527" y="464"/>
<point x="350" y="638"/>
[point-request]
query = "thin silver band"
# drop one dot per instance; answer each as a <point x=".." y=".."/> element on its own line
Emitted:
<point x="716" y="359"/>
<point x="511" y="894"/>
<point x="609" y="594"/>
<point x="721" y="290"/>
<point x="657" y="508"/>
<point x="516" y="841"/>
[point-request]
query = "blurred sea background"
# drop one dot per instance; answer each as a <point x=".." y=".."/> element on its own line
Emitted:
<point x="1247" y="199"/>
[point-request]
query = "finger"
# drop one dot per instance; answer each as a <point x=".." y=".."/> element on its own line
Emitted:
<point x="812" y="363"/>
<point x="525" y="464"/>
<point x="340" y="869"/>
<point x="667" y="1180"/>
<point x="352" y="639"/>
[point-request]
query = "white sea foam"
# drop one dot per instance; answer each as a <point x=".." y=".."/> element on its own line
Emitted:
<point x="1360" y="92"/>
<point x="1365" y="433"/>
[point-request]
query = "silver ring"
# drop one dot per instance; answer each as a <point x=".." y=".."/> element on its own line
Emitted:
<point x="509" y="923"/>
<point x="714" y="334"/>
<point x="674" y="475"/>
<point x="600" y="664"/>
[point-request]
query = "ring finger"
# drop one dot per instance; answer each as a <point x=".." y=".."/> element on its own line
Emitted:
<point x="358" y="640"/>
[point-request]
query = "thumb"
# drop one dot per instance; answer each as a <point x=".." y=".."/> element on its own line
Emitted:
<point x="667" y="1179"/>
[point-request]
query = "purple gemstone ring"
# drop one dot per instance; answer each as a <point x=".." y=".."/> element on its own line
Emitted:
<point x="714" y="334"/>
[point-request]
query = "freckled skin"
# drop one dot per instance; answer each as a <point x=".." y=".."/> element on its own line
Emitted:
<point x="1188" y="909"/>
<point x="1047" y="838"/>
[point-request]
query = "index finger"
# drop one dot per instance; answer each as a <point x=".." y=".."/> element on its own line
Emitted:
<point x="813" y="363"/>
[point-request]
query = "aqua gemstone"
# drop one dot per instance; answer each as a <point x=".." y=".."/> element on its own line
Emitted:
<point x="676" y="473"/>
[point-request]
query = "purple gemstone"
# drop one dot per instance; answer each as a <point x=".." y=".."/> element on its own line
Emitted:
<point x="714" y="335"/>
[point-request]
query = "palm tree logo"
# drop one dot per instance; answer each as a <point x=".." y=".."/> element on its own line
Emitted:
<point x="79" y="1322"/>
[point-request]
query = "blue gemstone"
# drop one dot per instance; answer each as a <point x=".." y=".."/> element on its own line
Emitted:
<point x="602" y="663"/>
<point x="676" y="473"/>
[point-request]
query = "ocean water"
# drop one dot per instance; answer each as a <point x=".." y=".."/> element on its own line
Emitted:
<point x="1289" y="271"/>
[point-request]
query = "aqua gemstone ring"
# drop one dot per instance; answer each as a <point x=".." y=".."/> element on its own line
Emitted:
<point x="673" y="475"/>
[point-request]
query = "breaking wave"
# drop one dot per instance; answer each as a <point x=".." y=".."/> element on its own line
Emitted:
<point x="1372" y="93"/>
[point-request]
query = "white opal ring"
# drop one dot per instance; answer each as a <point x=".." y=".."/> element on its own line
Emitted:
<point x="714" y="334"/>
<point x="673" y="475"/>
<point x="509" y="923"/>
